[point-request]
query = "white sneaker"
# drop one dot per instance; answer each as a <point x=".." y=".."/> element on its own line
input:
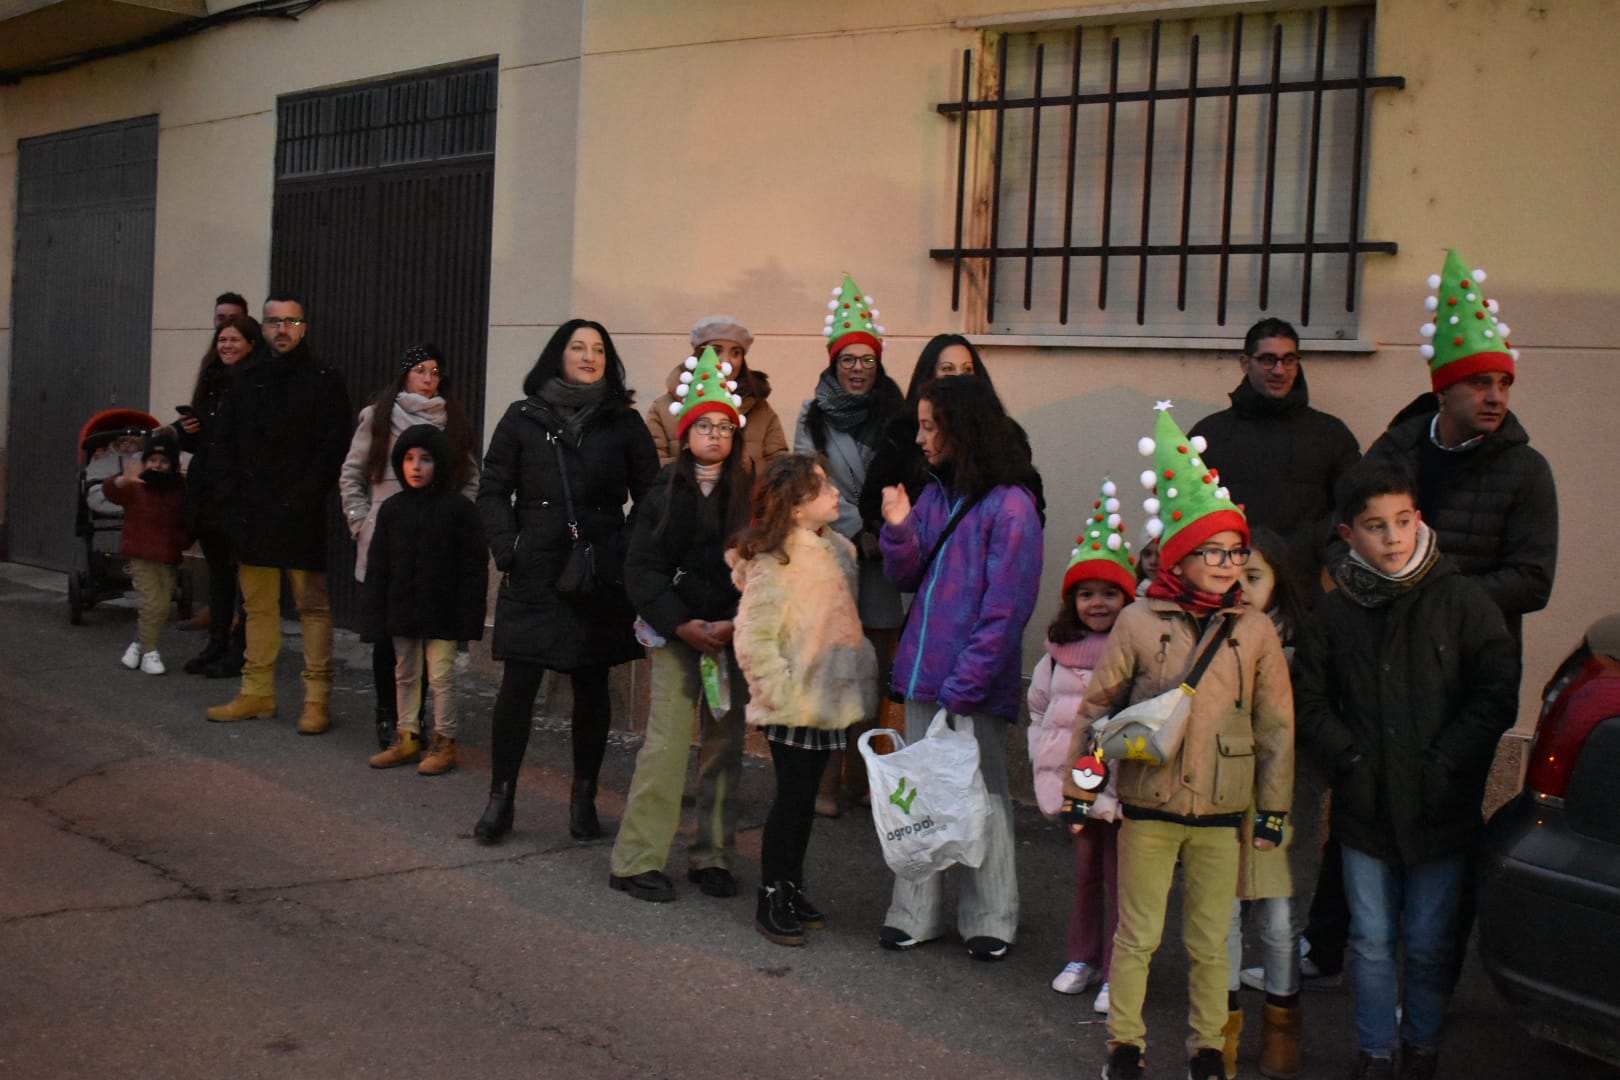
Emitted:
<point x="1254" y="978"/>
<point x="1101" y="1004"/>
<point x="152" y="663"/>
<point x="132" y="656"/>
<point x="1076" y="977"/>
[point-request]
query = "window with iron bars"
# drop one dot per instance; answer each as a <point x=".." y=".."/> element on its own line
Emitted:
<point x="1166" y="180"/>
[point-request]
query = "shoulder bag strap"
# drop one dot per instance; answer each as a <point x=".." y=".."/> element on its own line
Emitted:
<point x="568" y="495"/>
<point x="1222" y="632"/>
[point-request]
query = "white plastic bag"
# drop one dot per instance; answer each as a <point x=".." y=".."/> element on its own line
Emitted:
<point x="929" y="803"/>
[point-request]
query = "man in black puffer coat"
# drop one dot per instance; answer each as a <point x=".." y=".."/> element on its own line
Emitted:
<point x="1280" y="458"/>
<point x="288" y="423"/>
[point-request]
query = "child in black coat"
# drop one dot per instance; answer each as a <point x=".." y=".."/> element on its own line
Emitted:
<point x="426" y="581"/>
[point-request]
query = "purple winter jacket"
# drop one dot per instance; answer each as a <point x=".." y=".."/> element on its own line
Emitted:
<point x="963" y="642"/>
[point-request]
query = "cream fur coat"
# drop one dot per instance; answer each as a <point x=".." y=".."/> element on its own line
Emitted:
<point x="798" y="636"/>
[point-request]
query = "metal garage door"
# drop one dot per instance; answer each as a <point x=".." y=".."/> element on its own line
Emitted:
<point x="384" y="206"/>
<point x="81" y="314"/>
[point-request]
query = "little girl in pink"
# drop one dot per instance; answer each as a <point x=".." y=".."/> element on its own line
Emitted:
<point x="1100" y="580"/>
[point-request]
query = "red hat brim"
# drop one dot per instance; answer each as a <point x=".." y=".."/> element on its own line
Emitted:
<point x="1102" y="570"/>
<point x="837" y="342"/>
<point x="1179" y="546"/>
<point x="1469" y="366"/>
<point x="691" y="413"/>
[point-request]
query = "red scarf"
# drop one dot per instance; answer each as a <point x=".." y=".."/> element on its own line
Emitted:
<point x="1171" y="586"/>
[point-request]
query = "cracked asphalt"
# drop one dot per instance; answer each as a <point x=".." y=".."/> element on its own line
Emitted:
<point x="184" y="899"/>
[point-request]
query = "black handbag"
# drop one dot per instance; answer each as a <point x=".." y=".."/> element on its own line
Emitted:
<point x="578" y="579"/>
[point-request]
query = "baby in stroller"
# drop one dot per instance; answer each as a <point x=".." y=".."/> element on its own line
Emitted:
<point x="152" y="493"/>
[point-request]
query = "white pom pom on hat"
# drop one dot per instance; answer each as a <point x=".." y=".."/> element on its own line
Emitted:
<point x="691" y="363"/>
<point x="1431" y="303"/>
<point x="681" y="389"/>
<point x="1426" y="351"/>
<point x="1111" y="505"/>
<point x="1427" y="329"/>
<point x="1115" y="542"/>
<point x="1155" y="527"/>
<point x="1150" y="505"/>
<point x="1199" y="443"/>
<point x="1149" y="479"/>
<point x="1108" y="488"/>
<point x="674" y="408"/>
<point x="1434" y="281"/>
<point x="1145" y="446"/>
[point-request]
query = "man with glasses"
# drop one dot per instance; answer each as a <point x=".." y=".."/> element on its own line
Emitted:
<point x="287" y="425"/>
<point x="1280" y="458"/>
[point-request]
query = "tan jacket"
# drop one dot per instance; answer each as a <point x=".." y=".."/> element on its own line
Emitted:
<point x="1239" y="744"/>
<point x="764" y="440"/>
<point x="798" y="636"/>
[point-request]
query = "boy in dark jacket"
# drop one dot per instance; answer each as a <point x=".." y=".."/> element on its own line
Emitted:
<point x="153" y="495"/>
<point x="1403" y="684"/>
<point x="426" y="580"/>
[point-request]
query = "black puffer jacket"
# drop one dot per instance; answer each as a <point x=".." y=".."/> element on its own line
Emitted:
<point x="287" y="424"/>
<point x="1281" y="459"/>
<point x="427" y="570"/>
<point x="520" y="497"/>
<point x="1420" y="690"/>
<point x="1497" y="517"/>
<point x="704" y="589"/>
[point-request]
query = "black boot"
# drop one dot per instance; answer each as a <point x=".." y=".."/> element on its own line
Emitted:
<point x="809" y="916"/>
<point x="774" y="916"/>
<point x="497" y="819"/>
<point x="230" y="663"/>
<point x="213" y="652"/>
<point x="387" y="720"/>
<point x="582" y="821"/>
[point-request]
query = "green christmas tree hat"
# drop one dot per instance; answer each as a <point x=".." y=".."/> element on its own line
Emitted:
<point x="853" y="319"/>
<point x="706" y="386"/>
<point x="1101" y="551"/>
<point x="1186" y="503"/>
<point x="1467" y="337"/>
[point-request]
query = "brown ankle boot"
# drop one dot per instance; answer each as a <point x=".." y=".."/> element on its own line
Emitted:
<point x="405" y="748"/>
<point x="1280" y="1055"/>
<point x="315" y="719"/>
<point x="1233" y="1033"/>
<point x="441" y="756"/>
<point x="243" y="707"/>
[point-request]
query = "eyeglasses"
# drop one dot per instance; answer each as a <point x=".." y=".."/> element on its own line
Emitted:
<point x="1268" y="362"/>
<point x="704" y="427"/>
<point x="848" y="362"/>
<point x="1221" y="556"/>
<point x="271" y="322"/>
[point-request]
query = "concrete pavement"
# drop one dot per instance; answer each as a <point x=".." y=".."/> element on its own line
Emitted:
<point x="185" y="899"/>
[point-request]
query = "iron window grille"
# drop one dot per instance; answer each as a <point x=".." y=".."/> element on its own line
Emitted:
<point x="1203" y="169"/>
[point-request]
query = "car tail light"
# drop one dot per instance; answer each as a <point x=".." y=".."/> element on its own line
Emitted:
<point x="1559" y="738"/>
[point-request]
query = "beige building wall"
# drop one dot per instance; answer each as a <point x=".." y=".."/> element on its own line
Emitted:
<point x="729" y="133"/>
<point x="656" y="162"/>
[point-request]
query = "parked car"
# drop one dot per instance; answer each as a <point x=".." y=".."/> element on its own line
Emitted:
<point x="1549" y="903"/>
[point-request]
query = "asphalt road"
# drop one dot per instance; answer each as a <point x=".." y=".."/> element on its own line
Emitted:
<point x="185" y="899"/>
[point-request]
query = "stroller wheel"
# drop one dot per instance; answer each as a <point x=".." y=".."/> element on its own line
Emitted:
<point x="75" y="598"/>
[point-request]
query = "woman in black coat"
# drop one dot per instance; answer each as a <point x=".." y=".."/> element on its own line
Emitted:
<point x="202" y="432"/>
<point x="577" y="416"/>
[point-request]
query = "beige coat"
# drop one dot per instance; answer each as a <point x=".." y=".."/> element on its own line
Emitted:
<point x="1239" y="744"/>
<point x="798" y="636"/>
<point x="763" y="438"/>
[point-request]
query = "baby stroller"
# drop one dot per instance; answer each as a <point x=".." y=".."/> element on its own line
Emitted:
<point x="99" y="572"/>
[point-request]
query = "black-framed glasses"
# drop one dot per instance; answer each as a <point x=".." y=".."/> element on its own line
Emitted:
<point x="271" y="322"/>
<point x="1270" y="361"/>
<point x="706" y="427"/>
<point x="849" y="362"/>
<point x="1222" y="556"/>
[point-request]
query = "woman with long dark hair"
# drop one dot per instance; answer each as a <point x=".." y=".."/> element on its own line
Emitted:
<point x="971" y="551"/>
<point x="208" y="491"/>
<point x="414" y="394"/>
<point x="575" y="438"/>
<point x="855" y="401"/>
<point x="677" y="578"/>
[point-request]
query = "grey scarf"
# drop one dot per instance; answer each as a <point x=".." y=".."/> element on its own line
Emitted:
<point x="844" y="411"/>
<point x="1371" y="587"/>
<point x="574" y="404"/>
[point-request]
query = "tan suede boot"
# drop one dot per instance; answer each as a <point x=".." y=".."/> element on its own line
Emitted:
<point x="1280" y="1055"/>
<point x="1233" y="1031"/>
<point x="315" y="719"/>
<point x="405" y="748"/>
<point x="441" y="756"/>
<point x="243" y="707"/>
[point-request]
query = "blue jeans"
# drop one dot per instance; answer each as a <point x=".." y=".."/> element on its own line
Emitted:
<point x="1411" y="906"/>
